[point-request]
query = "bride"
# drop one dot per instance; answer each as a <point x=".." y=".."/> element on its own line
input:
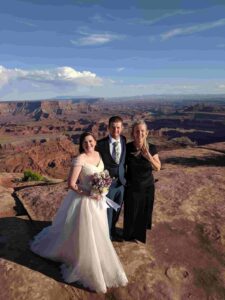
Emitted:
<point x="79" y="234"/>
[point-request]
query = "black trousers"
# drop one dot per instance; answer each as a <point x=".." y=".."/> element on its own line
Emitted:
<point x="138" y="208"/>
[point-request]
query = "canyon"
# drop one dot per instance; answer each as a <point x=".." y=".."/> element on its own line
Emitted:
<point x="184" y="254"/>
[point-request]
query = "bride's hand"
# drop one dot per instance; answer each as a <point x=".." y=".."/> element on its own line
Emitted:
<point x="96" y="197"/>
<point x="78" y="190"/>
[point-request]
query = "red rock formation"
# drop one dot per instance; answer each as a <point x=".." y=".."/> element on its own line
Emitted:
<point x="50" y="157"/>
<point x="184" y="254"/>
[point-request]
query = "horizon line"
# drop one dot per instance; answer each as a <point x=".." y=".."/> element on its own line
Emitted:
<point x="61" y="98"/>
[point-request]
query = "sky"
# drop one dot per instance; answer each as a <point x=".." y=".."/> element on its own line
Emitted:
<point x="112" y="48"/>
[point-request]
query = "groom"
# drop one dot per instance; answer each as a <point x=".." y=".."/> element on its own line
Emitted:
<point x="113" y="151"/>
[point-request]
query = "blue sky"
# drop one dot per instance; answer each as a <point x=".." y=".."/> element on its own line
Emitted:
<point x="52" y="48"/>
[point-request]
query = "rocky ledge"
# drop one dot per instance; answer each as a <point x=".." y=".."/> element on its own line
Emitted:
<point x="184" y="255"/>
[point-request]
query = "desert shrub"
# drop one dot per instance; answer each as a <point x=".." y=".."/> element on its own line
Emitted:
<point x="29" y="175"/>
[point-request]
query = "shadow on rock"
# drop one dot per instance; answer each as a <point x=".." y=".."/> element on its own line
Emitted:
<point x="15" y="236"/>
<point x="214" y="160"/>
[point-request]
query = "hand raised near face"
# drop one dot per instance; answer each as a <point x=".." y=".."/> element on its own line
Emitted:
<point x="145" y="152"/>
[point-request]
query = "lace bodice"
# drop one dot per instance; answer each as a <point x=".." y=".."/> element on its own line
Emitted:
<point x="87" y="171"/>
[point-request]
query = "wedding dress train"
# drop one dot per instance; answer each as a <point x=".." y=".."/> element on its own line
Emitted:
<point x="79" y="237"/>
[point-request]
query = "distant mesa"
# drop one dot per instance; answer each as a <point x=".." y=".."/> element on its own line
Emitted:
<point x="45" y="109"/>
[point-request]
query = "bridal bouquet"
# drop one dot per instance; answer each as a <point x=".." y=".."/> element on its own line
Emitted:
<point x="100" y="183"/>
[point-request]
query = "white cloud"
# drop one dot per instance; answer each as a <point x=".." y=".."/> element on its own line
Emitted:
<point x="3" y="76"/>
<point x="102" y="19"/>
<point x="27" y="23"/>
<point x="37" y="84"/>
<point x="97" y="18"/>
<point x="171" y="88"/>
<point x="91" y="39"/>
<point x="63" y="75"/>
<point x="120" y="69"/>
<point x="165" y="16"/>
<point x="192" y="29"/>
<point x="20" y="84"/>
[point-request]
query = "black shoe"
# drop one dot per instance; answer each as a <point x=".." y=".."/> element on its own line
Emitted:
<point x="117" y="238"/>
<point x="116" y="232"/>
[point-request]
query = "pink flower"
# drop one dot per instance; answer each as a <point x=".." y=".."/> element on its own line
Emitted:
<point x="101" y="182"/>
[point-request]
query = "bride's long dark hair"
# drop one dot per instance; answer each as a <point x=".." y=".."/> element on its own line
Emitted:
<point x="82" y="137"/>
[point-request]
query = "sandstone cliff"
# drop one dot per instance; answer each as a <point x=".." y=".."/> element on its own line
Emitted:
<point x="184" y="255"/>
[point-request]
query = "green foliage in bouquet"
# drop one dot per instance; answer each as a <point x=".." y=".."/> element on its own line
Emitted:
<point x="29" y="175"/>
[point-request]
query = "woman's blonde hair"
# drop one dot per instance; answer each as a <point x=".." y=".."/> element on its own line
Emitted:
<point x="135" y="124"/>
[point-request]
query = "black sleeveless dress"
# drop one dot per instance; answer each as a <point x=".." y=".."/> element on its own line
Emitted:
<point x="139" y="194"/>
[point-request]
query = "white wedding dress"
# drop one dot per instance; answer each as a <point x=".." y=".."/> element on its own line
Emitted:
<point x="79" y="237"/>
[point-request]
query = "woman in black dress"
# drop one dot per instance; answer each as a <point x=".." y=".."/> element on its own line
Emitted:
<point x="141" y="159"/>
